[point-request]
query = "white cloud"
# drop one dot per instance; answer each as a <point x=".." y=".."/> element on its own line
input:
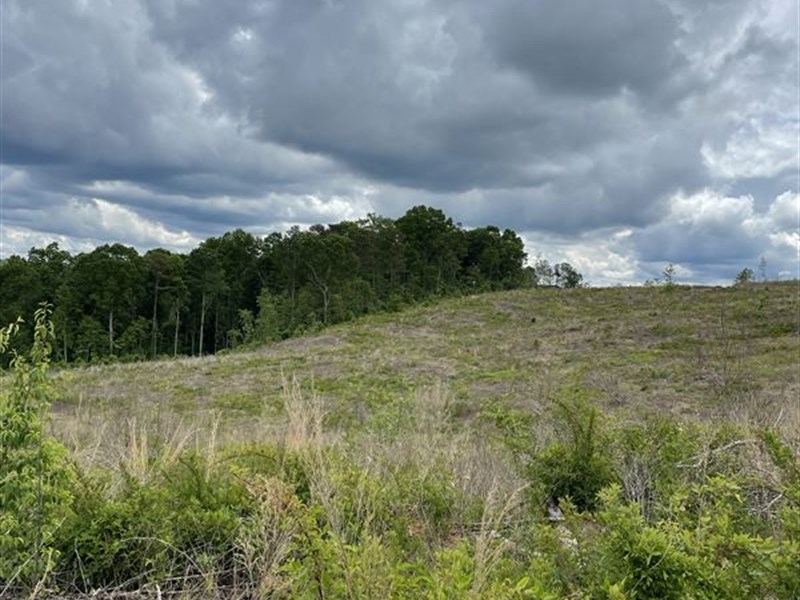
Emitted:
<point x="710" y="210"/>
<point x="709" y="232"/>
<point x="756" y="149"/>
<point x="18" y="240"/>
<point x="81" y="223"/>
<point x="122" y="223"/>
<point x="787" y="239"/>
<point x="784" y="213"/>
<point x="601" y="257"/>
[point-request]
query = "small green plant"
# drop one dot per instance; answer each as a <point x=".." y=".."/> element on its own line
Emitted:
<point x="745" y="276"/>
<point x="180" y="522"/>
<point x="762" y="269"/>
<point x="669" y="277"/>
<point x="648" y="455"/>
<point x="579" y="467"/>
<point x="35" y="475"/>
<point x="645" y="562"/>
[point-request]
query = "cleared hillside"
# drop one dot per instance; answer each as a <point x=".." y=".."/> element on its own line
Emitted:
<point x="611" y="443"/>
<point x="684" y="351"/>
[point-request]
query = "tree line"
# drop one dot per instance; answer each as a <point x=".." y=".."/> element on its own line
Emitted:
<point x="236" y="289"/>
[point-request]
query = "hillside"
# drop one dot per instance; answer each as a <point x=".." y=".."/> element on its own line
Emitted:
<point x="626" y="443"/>
<point x="686" y="351"/>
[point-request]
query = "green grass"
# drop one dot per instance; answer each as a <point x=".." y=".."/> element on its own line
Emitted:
<point x="415" y="452"/>
<point x="638" y="347"/>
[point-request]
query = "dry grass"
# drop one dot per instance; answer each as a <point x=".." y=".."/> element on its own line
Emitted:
<point x="305" y="414"/>
<point x="680" y="351"/>
<point x="699" y="353"/>
<point x="409" y="390"/>
<point x="490" y="543"/>
<point x="266" y="540"/>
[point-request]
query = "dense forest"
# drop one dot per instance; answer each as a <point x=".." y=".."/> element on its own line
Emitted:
<point x="236" y="289"/>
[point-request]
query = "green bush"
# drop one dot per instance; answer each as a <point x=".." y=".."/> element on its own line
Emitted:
<point x="643" y="562"/>
<point x="172" y="525"/>
<point x="580" y="466"/>
<point x="35" y="474"/>
<point x="120" y="540"/>
<point x="688" y="555"/>
<point x="648" y="459"/>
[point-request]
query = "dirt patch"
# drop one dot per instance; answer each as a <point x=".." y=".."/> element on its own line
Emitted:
<point x="489" y="389"/>
<point x="411" y="332"/>
<point x="436" y="368"/>
<point x="300" y="345"/>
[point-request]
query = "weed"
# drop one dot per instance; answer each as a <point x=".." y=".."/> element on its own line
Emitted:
<point x="35" y="475"/>
<point x="578" y="467"/>
<point x="412" y="456"/>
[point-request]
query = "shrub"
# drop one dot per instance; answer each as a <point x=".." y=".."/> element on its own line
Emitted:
<point x="688" y="554"/>
<point x="641" y="561"/>
<point x="648" y="457"/>
<point x="579" y="467"/>
<point x="181" y="523"/>
<point x="745" y="276"/>
<point x="35" y="475"/>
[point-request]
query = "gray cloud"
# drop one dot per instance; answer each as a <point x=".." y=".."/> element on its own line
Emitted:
<point x="588" y="46"/>
<point x="710" y="234"/>
<point x="571" y="122"/>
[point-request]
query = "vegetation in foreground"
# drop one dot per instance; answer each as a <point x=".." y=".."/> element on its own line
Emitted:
<point x="540" y="444"/>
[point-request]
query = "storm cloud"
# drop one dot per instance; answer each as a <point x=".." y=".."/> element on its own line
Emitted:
<point x="620" y="136"/>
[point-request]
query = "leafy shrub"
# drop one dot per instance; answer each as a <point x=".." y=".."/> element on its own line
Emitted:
<point x="35" y="475"/>
<point x="641" y="561"/>
<point x="688" y="555"/>
<point x="649" y="458"/>
<point x="116" y="540"/>
<point x="579" y="467"/>
<point x="428" y="500"/>
<point x="168" y="526"/>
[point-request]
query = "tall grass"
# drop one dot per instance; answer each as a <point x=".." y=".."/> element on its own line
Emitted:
<point x="420" y="498"/>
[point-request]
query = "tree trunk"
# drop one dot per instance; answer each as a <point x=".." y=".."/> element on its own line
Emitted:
<point x="155" y="321"/>
<point x="177" y="326"/>
<point x="111" y="332"/>
<point x="216" y="324"/>
<point x="324" y="290"/>
<point x="202" y="323"/>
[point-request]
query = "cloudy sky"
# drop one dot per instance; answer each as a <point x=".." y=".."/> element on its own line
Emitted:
<point x="620" y="135"/>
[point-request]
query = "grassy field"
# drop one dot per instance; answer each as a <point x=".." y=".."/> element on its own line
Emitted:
<point x="422" y="454"/>
<point x="689" y="352"/>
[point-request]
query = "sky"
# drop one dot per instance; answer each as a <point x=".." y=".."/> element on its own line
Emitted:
<point x="618" y="135"/>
